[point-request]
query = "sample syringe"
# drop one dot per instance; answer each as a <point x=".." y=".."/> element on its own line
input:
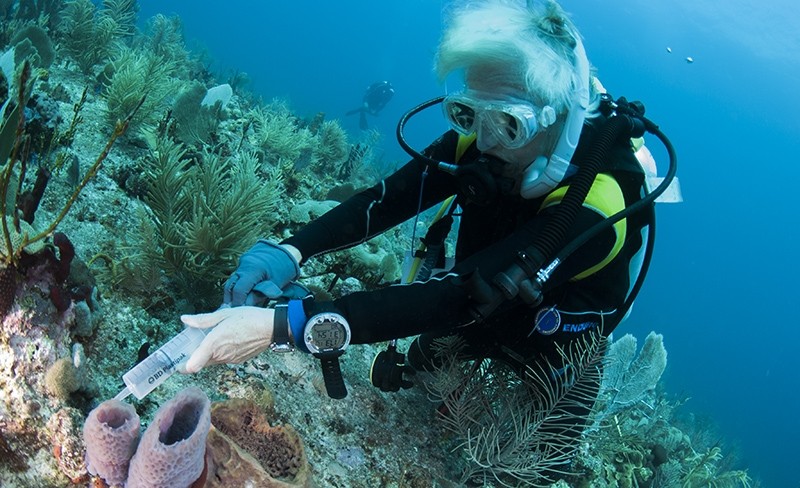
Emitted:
<point x="157" y="367"/>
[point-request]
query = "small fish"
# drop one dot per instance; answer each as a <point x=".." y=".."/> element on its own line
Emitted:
<point x="669" y="49"/>
<point x="689" y="60"/>
<point x="74" y="172"/>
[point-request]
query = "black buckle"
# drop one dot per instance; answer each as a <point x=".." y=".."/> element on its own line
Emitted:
<point x="280" y="330"/>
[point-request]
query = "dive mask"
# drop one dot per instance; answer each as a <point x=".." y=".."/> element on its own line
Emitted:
<point x="509" y="121"/>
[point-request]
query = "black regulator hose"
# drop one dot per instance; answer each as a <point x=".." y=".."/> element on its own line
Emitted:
<point x="401" y="124"/>
<point x="646" y="201"/>
<point x="553" y="234"/>
<point x="528" y="277"/>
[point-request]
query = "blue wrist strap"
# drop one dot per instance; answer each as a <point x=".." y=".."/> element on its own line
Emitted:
<point x="297" y="322"/>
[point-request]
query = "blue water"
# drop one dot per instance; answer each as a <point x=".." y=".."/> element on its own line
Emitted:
<point x="723" y="285"/>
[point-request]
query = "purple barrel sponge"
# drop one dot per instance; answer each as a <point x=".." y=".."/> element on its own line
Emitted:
<point x="172" y="450"/>
<point x="111" y="432"/>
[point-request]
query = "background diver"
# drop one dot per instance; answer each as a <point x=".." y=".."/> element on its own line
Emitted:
<point x="376" y="97"/>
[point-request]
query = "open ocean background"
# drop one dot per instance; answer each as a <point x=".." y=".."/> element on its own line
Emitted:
<point x="723" y="288"/>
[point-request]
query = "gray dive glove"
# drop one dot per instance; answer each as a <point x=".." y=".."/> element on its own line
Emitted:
<point x="266" y="272"/>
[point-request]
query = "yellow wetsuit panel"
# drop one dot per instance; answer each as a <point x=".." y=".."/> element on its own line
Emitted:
<point x="605" y="197"/>
<point x="463" y="144"/>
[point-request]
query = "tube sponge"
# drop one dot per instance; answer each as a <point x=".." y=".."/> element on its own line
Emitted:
<point x="172" y="450"/>
<point x="111" y="433"/>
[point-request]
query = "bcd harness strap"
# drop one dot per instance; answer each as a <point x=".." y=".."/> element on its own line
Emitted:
<point x="605" y="197"/>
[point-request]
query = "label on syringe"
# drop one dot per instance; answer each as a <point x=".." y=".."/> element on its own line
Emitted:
<point x="169" y="367"/>
<point x="160" y="365"/>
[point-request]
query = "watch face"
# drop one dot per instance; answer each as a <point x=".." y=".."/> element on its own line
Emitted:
<point x="327" y="334"/>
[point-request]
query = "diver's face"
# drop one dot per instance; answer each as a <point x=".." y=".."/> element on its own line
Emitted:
<point x="519" y="158"/>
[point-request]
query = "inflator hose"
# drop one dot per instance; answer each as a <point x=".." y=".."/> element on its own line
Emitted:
<point x="516" y="281"/>
<point x="556" y="228"/>
<point x="645" y="204"/>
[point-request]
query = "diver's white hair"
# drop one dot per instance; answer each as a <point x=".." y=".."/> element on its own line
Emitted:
<point x="529" y="44"/>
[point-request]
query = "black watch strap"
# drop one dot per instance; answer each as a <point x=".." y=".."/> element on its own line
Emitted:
<point x="280" y="330"/>
<point x="332" y="375"/>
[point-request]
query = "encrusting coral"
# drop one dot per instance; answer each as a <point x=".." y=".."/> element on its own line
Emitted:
<point x="64" y="429"/>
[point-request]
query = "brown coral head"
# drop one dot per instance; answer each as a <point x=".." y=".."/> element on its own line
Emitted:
<point x="279" y="449"/>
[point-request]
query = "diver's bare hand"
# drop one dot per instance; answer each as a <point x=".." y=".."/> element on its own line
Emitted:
<point x="239" y="334"/>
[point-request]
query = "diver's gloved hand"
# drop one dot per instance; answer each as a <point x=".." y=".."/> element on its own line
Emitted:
<point x="265" y="272"/>
<point x="388" y="369"/>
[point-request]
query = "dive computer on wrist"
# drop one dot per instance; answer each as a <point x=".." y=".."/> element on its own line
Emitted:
<point x="327" y="335"/>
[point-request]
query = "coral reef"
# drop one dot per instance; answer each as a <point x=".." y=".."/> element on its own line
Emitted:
<point x="506" y="442"/>
<point x="196" y="246"/>
<point x="135" y="72"/>
<point x="158" y="220"/>
<point x="69" y="450"/>
<point x="516" y="431"/>
<point x="89" y="39"/>
<point x="34" y="337"/>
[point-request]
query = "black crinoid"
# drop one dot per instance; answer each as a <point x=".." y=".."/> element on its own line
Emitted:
<point x="8" y="288"/>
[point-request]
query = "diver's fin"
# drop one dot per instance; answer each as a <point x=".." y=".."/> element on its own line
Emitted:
<point x="355" y="111"/>
<point x="362" y="122"/>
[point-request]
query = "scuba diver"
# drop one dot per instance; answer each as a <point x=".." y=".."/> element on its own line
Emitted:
<point x="376" y="97"/>
<point x="554" y="235"/>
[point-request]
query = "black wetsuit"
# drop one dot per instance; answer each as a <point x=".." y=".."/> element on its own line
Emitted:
<point x="488" y="240"/>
